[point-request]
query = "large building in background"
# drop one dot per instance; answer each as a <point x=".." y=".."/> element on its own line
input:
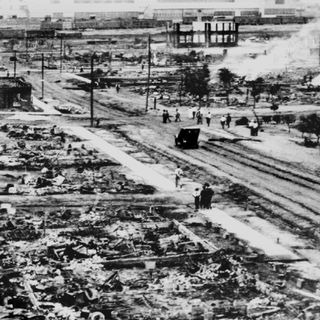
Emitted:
<point x="158" y="9"/>
<point x="181" y="9"/>
<point x="73" y="8"/>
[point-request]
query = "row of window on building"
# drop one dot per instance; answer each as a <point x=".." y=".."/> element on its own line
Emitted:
<point x="177" y="14"/>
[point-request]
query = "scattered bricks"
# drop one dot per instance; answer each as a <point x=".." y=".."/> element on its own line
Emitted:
<point x="226" y="235"/>
<point x="216" y="228"/>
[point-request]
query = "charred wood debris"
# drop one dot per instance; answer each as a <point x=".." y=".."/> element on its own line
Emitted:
<point x="114" y="260"/>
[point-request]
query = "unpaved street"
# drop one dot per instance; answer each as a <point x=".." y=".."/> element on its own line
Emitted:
<point x="282" y="193"/>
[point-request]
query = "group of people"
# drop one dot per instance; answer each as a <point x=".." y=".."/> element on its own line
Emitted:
<point x="198" y="115"/>
<point x="202" y="198"/>
<point x="166" y="116"/>
<point x="225" y="120"/>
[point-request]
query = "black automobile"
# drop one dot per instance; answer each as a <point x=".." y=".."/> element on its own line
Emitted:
<point x="187" y="138"/>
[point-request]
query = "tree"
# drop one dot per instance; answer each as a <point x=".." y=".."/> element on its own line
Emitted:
<point x="257" y="87"/>
<point x="274" y="89"/>
<point x="226" y="77"/>
<point x="310" y="124"/>
<point x="288" y="119"/>
<point x="196" y="81"/>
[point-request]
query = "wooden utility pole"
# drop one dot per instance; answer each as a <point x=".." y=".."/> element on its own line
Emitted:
<point x="27" y="44"/>
<point x="42" y="76"/>
<point x="180" y="92"/>
<point x="149" y="71"/>
<point x="91" y="91"/>
<point x="61" y="51"/>
<point x="319" y="51"/>
<point x="15" y="64"/>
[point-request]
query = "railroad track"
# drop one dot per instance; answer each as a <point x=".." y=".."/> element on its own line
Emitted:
<point x="292" y="194"/>
<point x="293" y="190"/>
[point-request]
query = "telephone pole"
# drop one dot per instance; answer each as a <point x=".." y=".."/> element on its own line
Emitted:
<point x="15" y="64"/>
<point x="319" y="51"/>
<point x="61" y="48"/>
<point x="91" y="91"/>
<point x="149" y="71"/>
<point x="42" y="76"/>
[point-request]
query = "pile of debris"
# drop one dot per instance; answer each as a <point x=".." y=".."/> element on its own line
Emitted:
<point x="50" y="161"/>
<point x="124" y="263"/>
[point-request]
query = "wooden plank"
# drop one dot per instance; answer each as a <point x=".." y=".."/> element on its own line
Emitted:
<point x="177" y="259"/>
<point x="193" y="237"/>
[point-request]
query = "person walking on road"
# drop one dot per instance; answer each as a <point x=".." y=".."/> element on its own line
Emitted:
<point x="164" y="116"/>
<point x="168" y="116"/>
<point x="178" y="175"/>
<point x="208" y="118"/>
<point x="199" y="116"/>
<point x="194" y="111"/>
<point x="228" y="120"/>
<point x="223" y="121"/>
<point x="206" y="196"/>
<point x="196" y="196"/>
<point x="178" y="117"/>
<point x="254" y="127"/>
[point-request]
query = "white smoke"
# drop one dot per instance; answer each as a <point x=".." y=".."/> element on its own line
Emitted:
<point x="301" y="50"/>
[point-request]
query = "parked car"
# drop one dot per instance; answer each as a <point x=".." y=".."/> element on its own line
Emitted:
<point x="187" y="138"/>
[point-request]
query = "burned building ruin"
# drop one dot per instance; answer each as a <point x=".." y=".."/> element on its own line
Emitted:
<point x="14" y="93"/>
<point x="205" y="34"/>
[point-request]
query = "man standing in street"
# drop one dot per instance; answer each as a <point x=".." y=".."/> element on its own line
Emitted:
<point x="164" y="116"/>
<point x="199" y="116"/>
<point x="208" y="118"/>
<point x="228" y="120"/>
<point x="223" y="121"/>
<point x="178" y="173"/>
<point x="194" y="111"/>
<point x="196" y="195"/>
<point x="178" y="117"/>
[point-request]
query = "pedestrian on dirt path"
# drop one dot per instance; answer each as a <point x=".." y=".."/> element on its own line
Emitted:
<point x="223" y="121"/>
<point x="203" y="196"/>
<point x="196" y="196"/>
<point x="228" y="120"/>
<point x="194" y="111"/>
<point x="178" y="175"/>
<point x="98" y="123"/>
<point x="206" y="196"/>
<point x="254" y="127"/>
<point x="178" y="117"/>
<point x="168" y="116"/>
<point x="199" y="116"/>
<point x="118" y="87"/>
<point x="208" y="118"/>
<point x="164" y="116"/>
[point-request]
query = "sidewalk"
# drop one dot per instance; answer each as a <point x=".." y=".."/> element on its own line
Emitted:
<point x="241" y="231"/>
<point x="150" y="176"/>
<point x="253" y="238"/>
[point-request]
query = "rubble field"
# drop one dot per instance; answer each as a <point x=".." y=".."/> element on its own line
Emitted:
<point x="115" y="259"/>
<point x="128" y="263"/>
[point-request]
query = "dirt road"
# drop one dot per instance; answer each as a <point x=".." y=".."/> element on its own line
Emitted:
<point x="280" y="192"/>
